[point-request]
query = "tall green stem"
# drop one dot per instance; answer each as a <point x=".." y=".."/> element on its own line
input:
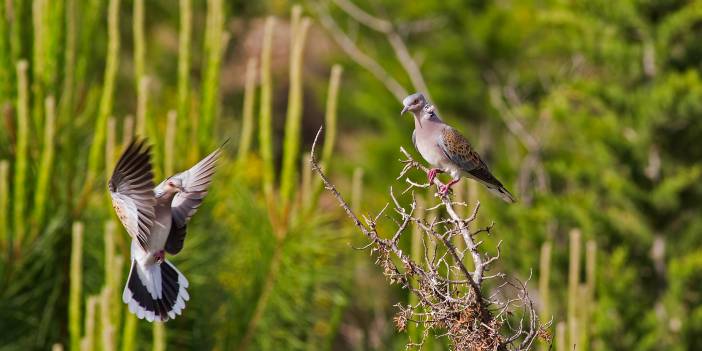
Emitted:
<point x="573" y="283"/>
<point x="76" y="283"/>
<point x="544" y="278"/>
<point x="184" y="35"/>
<point x="169" y="145"/>
<point x="6" y="69"/>
<point x="213" y="50"/>
<point x="20" y="183"/>
<point x="159" y="336"/>
<point x="106" y="99"/>
<point x="590" y="267"/>
<point x="330" y="121"/>
<point x="4" y="193"/>
<point x="139" y="46"/>
<point x="69" y="57"/>
<point x="293" y="121"/>
<point x="265" y="135"/>
<point x="247" y="123"/>
<point x="45" y="166"/>
<point x="129" y="332"/>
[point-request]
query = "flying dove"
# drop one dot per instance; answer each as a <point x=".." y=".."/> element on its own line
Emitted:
<point x="156" y="218"/>
<point x="447" y="150"/>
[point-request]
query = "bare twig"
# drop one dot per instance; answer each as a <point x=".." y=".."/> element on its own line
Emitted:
<point x="393" y="34"/>
<point x="449" y="296"/>
<point x="351" y="49"/>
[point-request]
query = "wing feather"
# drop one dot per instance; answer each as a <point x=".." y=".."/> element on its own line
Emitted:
<point x="131" y="189"/>
<point x="457" y="148"/>
<point x="196" y="182"/>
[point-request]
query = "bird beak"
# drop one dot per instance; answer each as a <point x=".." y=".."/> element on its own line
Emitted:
<point x="404" y="110"/>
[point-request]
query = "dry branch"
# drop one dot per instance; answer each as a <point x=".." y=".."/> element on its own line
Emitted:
<point x="451" y="299"/>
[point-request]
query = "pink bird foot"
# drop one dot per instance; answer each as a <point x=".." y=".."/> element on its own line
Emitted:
<point x="432" y="174"/>
<point x="160" y="256"/>
<point x="444" y="189"/>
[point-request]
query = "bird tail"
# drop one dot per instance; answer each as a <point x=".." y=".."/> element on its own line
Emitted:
<point x="502" y="193"/>
<point x="155" y="292"/>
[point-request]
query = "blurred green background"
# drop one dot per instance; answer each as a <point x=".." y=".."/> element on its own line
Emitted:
<point x="589" y="111"/>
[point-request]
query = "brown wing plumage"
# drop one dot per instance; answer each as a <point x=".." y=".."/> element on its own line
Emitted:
<point x="196" y="182"/>
<point x="457" y="148"/>
<point x="131" y="188"/>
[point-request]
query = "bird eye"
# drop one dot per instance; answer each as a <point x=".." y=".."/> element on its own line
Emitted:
<point x="416" y="101"/>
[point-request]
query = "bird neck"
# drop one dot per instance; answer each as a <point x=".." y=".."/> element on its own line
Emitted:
<point x="424" y="119"/>
<point x="166" y="197"/>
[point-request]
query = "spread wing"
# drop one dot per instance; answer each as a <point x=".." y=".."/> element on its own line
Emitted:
<point x="195" y="182"/>
<point x="132" y="190"/>
<point x="457" y="148"/>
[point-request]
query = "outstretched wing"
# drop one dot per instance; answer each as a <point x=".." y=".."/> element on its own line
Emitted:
<point x="195" y="182"/>
<point x="457" y="148"/>
<point x="132" y="190"/>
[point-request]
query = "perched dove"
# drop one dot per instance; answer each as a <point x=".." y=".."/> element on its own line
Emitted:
<point x="156" y="219"/>
<point x="447" y="150"/>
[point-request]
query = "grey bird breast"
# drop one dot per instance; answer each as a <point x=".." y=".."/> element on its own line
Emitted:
<point x="162" y="224"/>
<point x="426" y="143"/>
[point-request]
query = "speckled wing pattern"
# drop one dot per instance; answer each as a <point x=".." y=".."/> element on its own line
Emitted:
<point x="457" y="148"/>
<point x="131" y="188"/>
<point x="195" y="182"/>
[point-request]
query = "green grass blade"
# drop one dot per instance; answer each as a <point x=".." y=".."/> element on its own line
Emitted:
<point x="107" y="96"/>
<point x="6" y="69"/>
<point x="247" y="124"/>
<point x="88" y="341"/>
<point x="108" y="330"/>
<point x="573" y="284"/>
<point x="293" y="122"/>
<point x="169" y="145"/>
<point x="75" y="288"/>
<point x="213" y="51"/>
<point x="139" y="46"/>
<point x="330" y="116"/>
<point x="45" y="167"/>
<point x="544" y="286"/>
<point x="127" y="130"/>
<point x="129" y="331"/>
<point x="20" y="183"/>
<point x="184" y="37"/>
<point x="142" y="106"/>
<point x="330" y="119"/>
<point x="69" y="57"/>
<point x="265" y="136"/>
<point x="159" y="337"/>
<point x="4" y="193"/>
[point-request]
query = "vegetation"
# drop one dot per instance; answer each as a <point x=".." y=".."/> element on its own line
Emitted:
<point x="588" y="110"/>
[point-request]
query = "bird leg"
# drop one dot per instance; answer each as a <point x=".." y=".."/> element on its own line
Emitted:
<point x="160" y="256"/>
<point x="432" y="174"/>
<point x="444" y="189"/>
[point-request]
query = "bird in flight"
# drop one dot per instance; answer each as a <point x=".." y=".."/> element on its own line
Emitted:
<point x="156" y="218"/>
<point x="447" y="150"/>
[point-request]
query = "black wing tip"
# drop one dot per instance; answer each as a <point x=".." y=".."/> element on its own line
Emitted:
<point x="138" y="147"/>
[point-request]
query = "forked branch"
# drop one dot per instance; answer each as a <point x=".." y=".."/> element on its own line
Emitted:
<point x="452" y="299"/>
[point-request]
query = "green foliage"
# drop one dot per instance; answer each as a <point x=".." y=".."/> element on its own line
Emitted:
<point x="611" y="91"/>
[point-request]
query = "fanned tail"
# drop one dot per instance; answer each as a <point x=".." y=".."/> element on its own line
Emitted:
<point x="155" y="292"/>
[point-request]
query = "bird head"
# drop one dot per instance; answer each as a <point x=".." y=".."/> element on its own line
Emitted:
<point x="413" y="103"/>
<point x="173" y="185"/>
